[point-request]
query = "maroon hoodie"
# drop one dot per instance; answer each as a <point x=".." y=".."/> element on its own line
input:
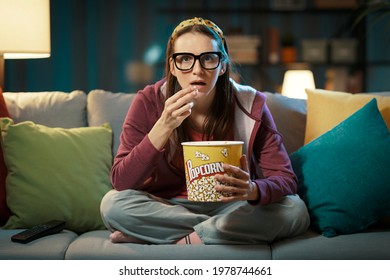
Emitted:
<point x="138" y="165"/>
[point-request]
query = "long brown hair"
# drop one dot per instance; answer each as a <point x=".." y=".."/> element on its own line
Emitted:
<point x="219" y="121"/>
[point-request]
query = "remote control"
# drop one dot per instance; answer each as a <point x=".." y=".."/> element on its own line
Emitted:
<point x="38" y="231"/>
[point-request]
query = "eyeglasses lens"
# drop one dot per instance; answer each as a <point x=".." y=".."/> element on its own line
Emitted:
<point x="208" y="61"/>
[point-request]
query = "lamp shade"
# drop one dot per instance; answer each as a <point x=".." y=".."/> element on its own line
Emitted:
<point x="24" y="28"/>
<point x="296" y="81"/>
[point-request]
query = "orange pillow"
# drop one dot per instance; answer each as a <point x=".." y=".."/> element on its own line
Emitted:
<point x="326" y="109"/>
<point x="4" y="210"/>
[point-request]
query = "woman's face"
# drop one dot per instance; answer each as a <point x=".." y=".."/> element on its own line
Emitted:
<point x="204" y="80"/>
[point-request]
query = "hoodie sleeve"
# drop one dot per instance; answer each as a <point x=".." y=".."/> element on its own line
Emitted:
<point x="136" y="158"/>
<point x="275" y="177"/>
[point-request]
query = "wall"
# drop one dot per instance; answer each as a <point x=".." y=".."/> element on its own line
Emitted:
<point x="95" y="43"/>
<point x="378" y="54"/>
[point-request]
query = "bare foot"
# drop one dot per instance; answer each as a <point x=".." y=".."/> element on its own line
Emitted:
<point x="119" y="237"/>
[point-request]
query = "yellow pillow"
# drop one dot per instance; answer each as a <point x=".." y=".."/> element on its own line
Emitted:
<point x="326" y="109"/>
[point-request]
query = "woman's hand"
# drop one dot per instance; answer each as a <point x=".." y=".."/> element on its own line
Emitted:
<point x="176" y="109"/>
<point x="237" y="183"/>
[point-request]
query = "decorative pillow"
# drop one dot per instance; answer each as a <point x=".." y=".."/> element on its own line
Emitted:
<point x="53" y="109"/>
<point x="344" y="174"/>
<point x="56" y="173"/>
<point x="4" y="211"/>
<point x="326" y="109"/>
<point x="104" y="106"/>
<point x="290" y="118"/>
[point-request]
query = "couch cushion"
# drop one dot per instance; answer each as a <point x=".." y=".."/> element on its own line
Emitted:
<point x="54" y="109"/>
<point x="326" y="109"/>
<point x="104" y="106"/>
<point x="4" y="210"/>
<point x="290" y="118"/>
<point x="56" y="173"/>
<point x="97" y="245"/>
<point x="344" y="174"/>
<point x="368" y="245"/>
<point x="51" y="247"/>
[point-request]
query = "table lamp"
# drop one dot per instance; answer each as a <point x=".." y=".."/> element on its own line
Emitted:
<point x="296" y="81"/>
<point x="24" y="30"/>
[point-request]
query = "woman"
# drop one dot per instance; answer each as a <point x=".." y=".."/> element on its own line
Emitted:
<point x="198" y="101"/>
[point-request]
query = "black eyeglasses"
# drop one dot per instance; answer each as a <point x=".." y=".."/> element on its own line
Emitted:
<point x="208" y="60"/>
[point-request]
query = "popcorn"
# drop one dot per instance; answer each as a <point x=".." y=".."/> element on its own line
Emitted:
<point x="203" y="190"/>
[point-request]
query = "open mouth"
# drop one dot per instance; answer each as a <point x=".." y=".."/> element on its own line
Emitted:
<point x="198" y="83"/>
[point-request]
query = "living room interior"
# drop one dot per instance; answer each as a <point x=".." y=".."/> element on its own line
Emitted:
<point x="119" y="45"/>
<point x="99" y="53"/>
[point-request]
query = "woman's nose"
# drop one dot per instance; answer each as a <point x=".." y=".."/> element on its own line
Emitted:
<point x="197" y="68"/>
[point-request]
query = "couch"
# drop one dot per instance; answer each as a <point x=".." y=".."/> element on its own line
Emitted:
<point x="49" y="177"/>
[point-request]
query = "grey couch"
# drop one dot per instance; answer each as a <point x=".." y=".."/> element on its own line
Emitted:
<point x="98" y="106"/>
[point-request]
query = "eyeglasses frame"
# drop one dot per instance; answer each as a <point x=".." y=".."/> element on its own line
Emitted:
<point x="197" y="57"/>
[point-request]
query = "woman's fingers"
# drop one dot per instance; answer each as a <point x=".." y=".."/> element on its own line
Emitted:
<point x="181" y="98"/>
<point x="237" y="172"/>
<point x="183" y="110"/>
<point x="178" y="107"/>
<point x="236" y="181"/>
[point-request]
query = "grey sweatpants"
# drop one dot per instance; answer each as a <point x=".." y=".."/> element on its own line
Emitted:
<point x="163" y="221"/>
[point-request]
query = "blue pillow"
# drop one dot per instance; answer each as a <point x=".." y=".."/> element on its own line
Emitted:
<point x="344" y="175"/>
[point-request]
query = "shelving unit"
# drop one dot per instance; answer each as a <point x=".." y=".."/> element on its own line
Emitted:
<point x="308" y="23"/>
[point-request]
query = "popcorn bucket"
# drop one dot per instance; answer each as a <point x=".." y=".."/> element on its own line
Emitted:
<point x="202" y="161"/>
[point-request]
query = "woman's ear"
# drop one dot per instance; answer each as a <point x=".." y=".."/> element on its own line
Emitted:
<point x="172" y="67"/>
<point x="222" y="70"/>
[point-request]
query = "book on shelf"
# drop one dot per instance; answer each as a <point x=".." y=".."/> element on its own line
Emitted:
<point x="244" y="56"/>
<point x="244" y="48"/>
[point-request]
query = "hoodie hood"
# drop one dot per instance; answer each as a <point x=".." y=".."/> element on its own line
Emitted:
<point x="247" y="114"/>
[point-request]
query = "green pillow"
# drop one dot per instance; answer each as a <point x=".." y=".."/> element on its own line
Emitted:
<point x="344" y="174"/>
<point x="56" y="173"/>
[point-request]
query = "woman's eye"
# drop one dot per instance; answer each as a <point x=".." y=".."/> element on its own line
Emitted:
<point x="211" y="58"/>
<point x="207" y="58"/>
<point x="184" y="58"/>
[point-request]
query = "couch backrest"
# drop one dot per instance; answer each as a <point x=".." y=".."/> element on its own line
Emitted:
<point x="104" y="106"/>
<point x="290" y="118"/>
<point x="73" y="109"/>
<point x="77" y="109"/>
<point x="53" y="109"/>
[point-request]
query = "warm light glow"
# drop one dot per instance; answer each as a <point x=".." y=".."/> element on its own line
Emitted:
<point x="24" y="28"/>
<point x="296" y="81"/>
